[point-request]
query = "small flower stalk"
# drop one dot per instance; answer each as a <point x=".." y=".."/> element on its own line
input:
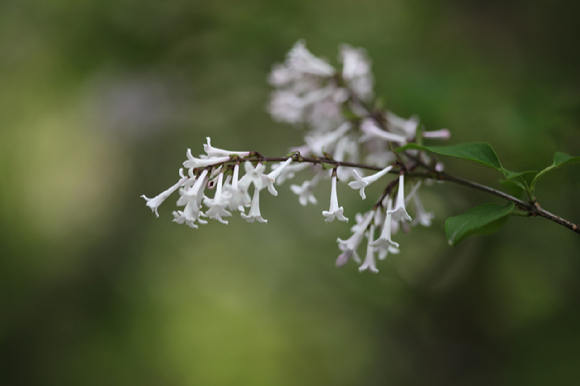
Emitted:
<point x="340" y="132"/>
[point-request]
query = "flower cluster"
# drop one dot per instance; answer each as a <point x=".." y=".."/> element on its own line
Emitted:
<point x="343" y="138"/>
<point x="208" y="171"/>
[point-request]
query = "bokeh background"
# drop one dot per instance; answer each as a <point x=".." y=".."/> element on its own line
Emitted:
<point x="99" y="101"/>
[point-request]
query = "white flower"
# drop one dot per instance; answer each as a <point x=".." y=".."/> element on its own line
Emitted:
<point x="302" y="61"/>
<point x="379" y="154"/>
<point x="362" y="183"/>
<point x="303" y="94"/>
<point x="274" y="174"/>
<point x="238" y="197"/>
<point x="289" y="171"/>
<point x="384" y="242"/>
<point x="191" y="198"/>
<point x="437" y="134"/>
<point x="421" y="216"/>
<point x="369" y="262"/>
<point x="346" y="149"/>
<point x="179" y="218"/>
<point x="215" y="152"/>
<point x="325" y="113"/>
<point x="305" y="191"/>
<point x="326" y="141"/>
<point x="194" y="163"/>
<point x="356" y="70"/>
<point x="254" y="213"/>
<point x="402" y="126"/>
<point x="334" y="211"/>
<point x="343" y="258"/>
<point x="300" y="67"/>
<point x="400" y="212"/>
<point x="156" y="201"/>
<point x="286" y="106"/>
<point x="372" y="131"/>
<point x="350" y="246"/>
<point x="217" y="205"/>
<point x="254" y="175"/>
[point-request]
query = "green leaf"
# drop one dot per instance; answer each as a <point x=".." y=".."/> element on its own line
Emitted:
<point x="515" y="188"/>
<point x="527" y="176"/>
<point x="560" y="159"/>
<point x="478" y="152"/>
<point x="485" y="219"/>
<point x="521" y="179"/>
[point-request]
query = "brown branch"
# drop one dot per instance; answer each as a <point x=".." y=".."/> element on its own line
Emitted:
<point x="533" y="209"/>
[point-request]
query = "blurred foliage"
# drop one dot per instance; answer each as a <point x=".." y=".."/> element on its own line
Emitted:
<point x="100" y="100"/>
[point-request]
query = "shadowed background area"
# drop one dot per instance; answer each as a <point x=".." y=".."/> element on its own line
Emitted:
<point x="99" y="101"/>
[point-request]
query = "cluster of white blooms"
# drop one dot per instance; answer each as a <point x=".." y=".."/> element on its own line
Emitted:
<point x="332" y="106"/>
<point x="208" y="171"/>
<point x="342" y="131"/>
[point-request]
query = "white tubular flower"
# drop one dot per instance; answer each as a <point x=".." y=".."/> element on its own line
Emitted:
<point x="324" y="142"/>
<point x="254" y="213"/>
<point x="421" y="216"/>
<point x="400" y="212"/>
<point x="361" y="183"/>
<point x="372" y="131"/>
<point x="305" y="191"/>
<point x="334" y="211"/>
<point x="402" y="126"/>
<point x="215" y="152"/>
<point x="280" y="75"/>
<point x="369" y="262"/>
<point x="254" y="175"/>
<point x="289" y="171"/>
<point x="437" y="134"/>
<point x="350" y="246"/>
<point x="156" y="201"/>
<point x="286" y="106"/>
<point x="325" y="114"/>
<point x="346" y="149"/>
<point x="179" y="218"/>
<point x="194" y="163"/>
<point x="345" y="256"/>
<point x="239" y="197"/>
<point x="384" y="242"/>
<point x="356" y="70"/>
<point x="217" y="205"/>
<point x="191" y="198"/>
<point x="274" y="174"/>
<point x="413" y="192"/>
<point x="301" y="60"/>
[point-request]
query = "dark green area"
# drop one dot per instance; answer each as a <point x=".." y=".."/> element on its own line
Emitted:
<point x="485" y="219"/>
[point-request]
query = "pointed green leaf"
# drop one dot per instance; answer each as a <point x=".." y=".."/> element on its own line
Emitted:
<point x="478" y="152"/>
<point x="485" y="219"/>
<point x="521" y="179"/>
<point x="526" y="177"/>
<point x="560" y="159"/>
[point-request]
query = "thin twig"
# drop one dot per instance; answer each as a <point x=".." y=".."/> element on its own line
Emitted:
<point x="533" y="209"/>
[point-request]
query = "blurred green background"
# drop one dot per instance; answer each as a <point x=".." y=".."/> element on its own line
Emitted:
<point x="99" y="101"/>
